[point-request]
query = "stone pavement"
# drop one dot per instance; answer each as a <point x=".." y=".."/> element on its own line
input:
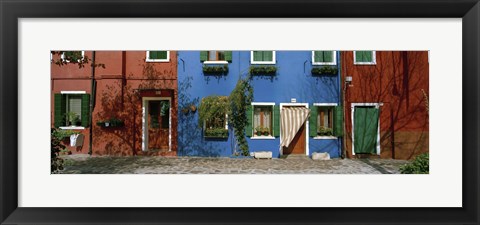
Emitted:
<point x="84" y="164"/>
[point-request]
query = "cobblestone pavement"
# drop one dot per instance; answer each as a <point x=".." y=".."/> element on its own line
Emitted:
<point x="84" y="164"/>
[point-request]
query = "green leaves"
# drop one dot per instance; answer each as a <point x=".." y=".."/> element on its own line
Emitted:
<point x="325" y="70"/>
<point x="418" y="166"/>
<point x="263" y="70"/>
<point x="211" y="69"/>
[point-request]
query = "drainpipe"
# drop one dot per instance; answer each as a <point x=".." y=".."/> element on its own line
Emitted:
<point x="92" y="100"/>
<point x="344" y="139"/>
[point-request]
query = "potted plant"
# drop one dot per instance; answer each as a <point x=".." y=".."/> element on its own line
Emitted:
<point x="72" y="118"/>
<point x="259" y="130"/>
<point x="265" y="131"/>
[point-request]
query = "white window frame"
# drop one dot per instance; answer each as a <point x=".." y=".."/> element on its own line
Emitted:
<point x="72" y="93"/>
<point x="270" y="137"/>
<point x="325" y="63"/>
<point x="374" y="59"/>
<point x="63" y="56"/>
<point x="205" y="124"/>
<point x="273" y="62"/>
<point x="315" y="105"/>
<point x="215" y="61"/>
<point x="157" y="60"/>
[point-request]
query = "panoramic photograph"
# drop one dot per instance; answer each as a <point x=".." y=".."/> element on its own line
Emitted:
<point x="239" y="112"/>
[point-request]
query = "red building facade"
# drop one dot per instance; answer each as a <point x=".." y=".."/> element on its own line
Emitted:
<point x="386" y="103"/>
<point x="134" y="100"/>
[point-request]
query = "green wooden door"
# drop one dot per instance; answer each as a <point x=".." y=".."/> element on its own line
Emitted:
<point x="365" y="130"/>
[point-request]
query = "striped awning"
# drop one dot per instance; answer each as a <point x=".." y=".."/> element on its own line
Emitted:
<point x="292" y="119"/>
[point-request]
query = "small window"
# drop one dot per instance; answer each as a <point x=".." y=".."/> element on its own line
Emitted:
<point x="71" y="109"/>
<point x="262" y="121"/>
<point x="215" y="57"/>
<point x="73" y="56"/>
<point x="262" y="57"/>
<point x="158" y="56"/>
<point x="216" y="127"/>
<point x="325" y="121"/>
<point x="364" y="57"/>
<point x="324" y="58"/>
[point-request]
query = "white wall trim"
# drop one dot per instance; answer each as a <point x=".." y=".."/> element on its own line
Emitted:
<point x="325" y="104"/>
<point x="307" y="137"/>
<point x="72" y="92"/>
<point x="325" y="137"/>
<point x="263" y="103"/>
<point x="376" y="105"/>
<point x="262" y="138"/>
<point x="325" y="63"/>
<point x="263" y="62"/>
<point x="157" y="60"/>
<point x="72" y="128"/>
<point x="62" y="56"/>
<point x="374" y="59"/>
<point x="215" y="62"/>
<point x="145" y="125"/>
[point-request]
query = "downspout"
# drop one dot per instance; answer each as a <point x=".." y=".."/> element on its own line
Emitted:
<point x="92" y="101"/>
<point x="344" y="139"/>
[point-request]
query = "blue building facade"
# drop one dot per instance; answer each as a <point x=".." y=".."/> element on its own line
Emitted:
<point x="280" y="79"/>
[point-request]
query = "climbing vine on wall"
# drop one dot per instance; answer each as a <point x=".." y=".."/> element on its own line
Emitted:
<point x="212" y="107"/>
<point x="240" y="98"/>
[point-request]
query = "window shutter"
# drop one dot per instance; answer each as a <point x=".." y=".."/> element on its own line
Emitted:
<point x="203" y="56"/>
<point x="257" y="56"/>
<point x="162" y="54"/>
<point x="85" y="110"/>
<point x="228" y="56"/>
<point x="318" y="56"/>
<point x="367" y="56"/>
<point x="327" y="56"/>
<point x="359" y="56"/>
<point x="248" y="128"/>
<point x="152" y="55"/>
<point x="338" y="121"/>
<point x="60" y="107"/>
<point x="276" y="120"/>
<point x="267" y="55"/>
<point x="312" y="122"/>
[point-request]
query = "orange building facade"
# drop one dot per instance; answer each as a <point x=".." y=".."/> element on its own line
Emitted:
<point x="386" y="103"/>
<point x="134" y="102"/>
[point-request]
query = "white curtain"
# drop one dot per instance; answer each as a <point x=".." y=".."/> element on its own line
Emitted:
<point x="292" y="119"/>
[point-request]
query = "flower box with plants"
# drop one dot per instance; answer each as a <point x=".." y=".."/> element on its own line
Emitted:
<point x="216" y="133"/>
<point x="263" y="70"/>
<point x="215" y="69"/>
<point x="73" y="119"/>
<point x="113" y="122"/>
<point x="262" y="131"/>
<point x="325" y="70"/>
<point x="325" y="131"/>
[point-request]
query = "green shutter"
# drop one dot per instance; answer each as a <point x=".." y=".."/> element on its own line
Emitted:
<point x="152" y="55"/>
<point x="228" y="56"/>
<point x="367" y="56"/>
<point x="203" y="56"/>
<point x="248" y="128"/>
<point x="276" y="120"/>
<point x="312" y="122"/>
<point x="338" y="121"/>
<point x="162" y="54"/>
<point x="327" y="56"/>
<point x="267" y="56"/>
<point x="60" y="107"/>
<point x="257" y="56"/>
<point x="85" y="110"/>
<point x="359" y="56"/>
<point x="318" y="56"/>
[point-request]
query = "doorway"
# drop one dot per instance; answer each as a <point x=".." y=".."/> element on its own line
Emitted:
<point x="156" y="124"/>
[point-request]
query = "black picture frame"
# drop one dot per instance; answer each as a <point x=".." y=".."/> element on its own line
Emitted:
<point x="11" y="11"/>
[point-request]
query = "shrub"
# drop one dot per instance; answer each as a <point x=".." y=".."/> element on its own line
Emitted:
<point x="418" y="166"/>
<point x="263" y="70"/>
<point x="56" y="146"/>
<point x="325" y="70"/>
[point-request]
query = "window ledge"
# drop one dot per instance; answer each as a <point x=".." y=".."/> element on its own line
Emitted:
<point x="263" y="138"/>
<point x="215" y="62"/>
<point x="262" y="63"/>
<point x="365" y="63"/>
<point x="325" y="137"/>
<point x="157" y="60"/>
<point x="72" y="128"/>
<point x="324" y="63"/>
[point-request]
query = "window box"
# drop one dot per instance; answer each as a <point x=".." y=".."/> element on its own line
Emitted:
<point x="216" y="133"/>
<point x="263" y="70"/>
<point x="111" y="123"/>
<point x="215" y="69"/>
<point x="325" y="70"/>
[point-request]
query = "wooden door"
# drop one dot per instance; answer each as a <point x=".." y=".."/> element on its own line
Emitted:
<point x="158" y="125"/>
<point x="299" y="143"/>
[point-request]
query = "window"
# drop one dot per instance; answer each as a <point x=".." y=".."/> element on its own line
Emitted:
<point x="324" y="58"/>
<point x="262" y="121"/>
<point x="216" y="127"/>
<point x="72" y="56"/>
<point x="216" y="57"/>
<point x="364" y="57"/>
<point x="326" y="121"/>
<point x="262" y="57"/>
<point x="71" y="109"/>
<point x="158" y="56"/>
